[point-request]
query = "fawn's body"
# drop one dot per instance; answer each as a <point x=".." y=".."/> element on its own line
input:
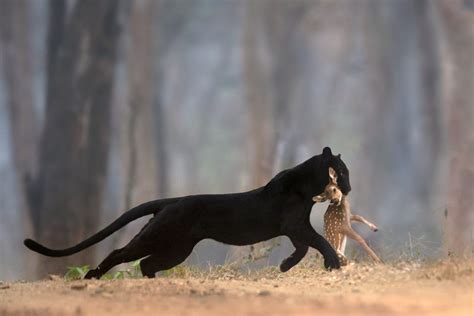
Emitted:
<point x="337" y="220"/>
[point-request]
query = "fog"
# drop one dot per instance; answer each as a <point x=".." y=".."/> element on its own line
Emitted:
<point x="217" y="96"/>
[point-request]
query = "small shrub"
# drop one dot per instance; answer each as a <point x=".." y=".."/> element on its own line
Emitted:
<point x="76" y="273"/>
<point x="79" y="272"/>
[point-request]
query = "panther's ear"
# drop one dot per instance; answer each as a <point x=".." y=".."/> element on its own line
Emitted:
<point x="327" y="153"/>
<point x="332" y="175"/>
<point x="339" y="156"/>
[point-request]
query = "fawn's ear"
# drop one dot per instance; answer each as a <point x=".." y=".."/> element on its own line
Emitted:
<point x="319" y="198"/>
<point x="332" y="175"/>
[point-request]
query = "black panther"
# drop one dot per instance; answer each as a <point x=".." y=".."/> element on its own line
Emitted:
<point x="281" y="207"/>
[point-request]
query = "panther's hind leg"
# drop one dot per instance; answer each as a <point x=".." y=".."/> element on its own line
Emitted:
<point x="166" y="258"/>
<point x="116" y="257"/>
<point x="137" y="248"/>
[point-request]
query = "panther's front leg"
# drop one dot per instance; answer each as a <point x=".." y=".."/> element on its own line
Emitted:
<point x="295" y="257"/>
<point x="305" y="234"/>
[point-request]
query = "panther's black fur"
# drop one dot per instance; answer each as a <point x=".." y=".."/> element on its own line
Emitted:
<point x="282" y="207"/>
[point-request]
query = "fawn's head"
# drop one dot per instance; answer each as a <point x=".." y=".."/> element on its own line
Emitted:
<point x="332" y="191"/>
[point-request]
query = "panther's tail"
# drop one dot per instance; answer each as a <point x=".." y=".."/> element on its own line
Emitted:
<point x="141" y="210"/>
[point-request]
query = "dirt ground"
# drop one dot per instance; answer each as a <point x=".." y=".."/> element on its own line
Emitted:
<point x="443" y="288"/>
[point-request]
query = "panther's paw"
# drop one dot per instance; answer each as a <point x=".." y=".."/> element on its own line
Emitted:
<point x="93" y="274"/>
<point x="285" y="265"/>
<point x="332" y="262"/>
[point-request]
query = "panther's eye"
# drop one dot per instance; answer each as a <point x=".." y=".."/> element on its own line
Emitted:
<point x="334" y="190"/>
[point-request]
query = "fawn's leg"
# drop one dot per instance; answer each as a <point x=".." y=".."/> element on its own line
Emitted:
<point x="355" y="236"/>
<point x="342" y="258"/>
<point x="341" y="250"/>
<point x="360" y="219"/>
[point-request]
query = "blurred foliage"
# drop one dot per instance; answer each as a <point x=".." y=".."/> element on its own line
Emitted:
<point x="79" y="272"/>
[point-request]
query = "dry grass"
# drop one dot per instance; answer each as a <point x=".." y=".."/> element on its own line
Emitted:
<point x="312" y="267"/>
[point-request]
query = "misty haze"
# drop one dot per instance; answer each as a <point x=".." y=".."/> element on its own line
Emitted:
<point x="108" y="104"/>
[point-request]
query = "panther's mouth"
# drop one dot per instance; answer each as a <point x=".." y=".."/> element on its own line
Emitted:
<point x="345" y="189"/>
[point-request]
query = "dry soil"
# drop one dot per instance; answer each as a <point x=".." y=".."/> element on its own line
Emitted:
<point x="405" y="288"/>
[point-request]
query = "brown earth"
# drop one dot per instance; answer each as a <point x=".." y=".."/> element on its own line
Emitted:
<point x="443" y="288"/>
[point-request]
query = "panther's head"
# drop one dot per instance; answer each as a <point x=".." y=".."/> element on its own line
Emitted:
<point x="335" y="162"/>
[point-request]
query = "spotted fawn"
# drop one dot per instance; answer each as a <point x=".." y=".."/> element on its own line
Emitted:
<point x="337" y="220"/>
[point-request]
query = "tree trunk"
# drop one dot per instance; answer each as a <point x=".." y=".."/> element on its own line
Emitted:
<point x="270" y="75"/>
<point x="16" y="55"/>
<point x="457" y="27"/>
<point x="17" y="62"/>
<point x="169" y="19"/>
<point x="75" y="140"/>
<point x="258" y="97"/>
<point x="141" y="183"/>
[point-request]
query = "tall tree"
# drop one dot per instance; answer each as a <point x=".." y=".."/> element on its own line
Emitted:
<point x="273" y="59"/>
<point x="169" y="20"/>
<point x="75" y="139"/>
<point x="403" y="121"/>
<point x="16" y="52"/>
<point x="284" y="21"/>
<point x="258" y="95"/>
<point x="457" y="27"/>
<point x="16" y="57"/>
<point x="140" y="120"/>
<point x="272" y="43"/>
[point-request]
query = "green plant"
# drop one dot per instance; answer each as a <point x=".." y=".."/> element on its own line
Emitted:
<point x="136" y="271"/>
<point x="76" y="273"/>
<point x="79" y="272"/>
